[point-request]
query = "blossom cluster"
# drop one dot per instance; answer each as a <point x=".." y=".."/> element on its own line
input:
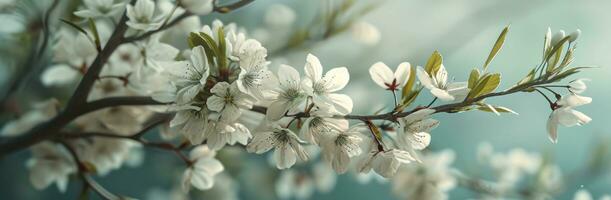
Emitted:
<point x="224" y="91"/>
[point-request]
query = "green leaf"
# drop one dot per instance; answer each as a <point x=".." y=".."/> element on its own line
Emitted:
<point x="473" y="77"/>
<point x="529" y="77"/>
<point x="96" y="35"/>
<point x="434" y="63"/>
<point x="195" y="40"/>
<point x="409" y="99"/>
<point x="485" y="85"/>
<point x="557" y="47"/>
<point x="222" y="47"/>
<point x="495" y="109"/>
<point x="497" y="47"/>
<point x="407" y="89"/>
<point x="78" y="28"/>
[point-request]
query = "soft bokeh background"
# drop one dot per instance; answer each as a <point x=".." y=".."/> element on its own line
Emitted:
<point x="463" y="31"/>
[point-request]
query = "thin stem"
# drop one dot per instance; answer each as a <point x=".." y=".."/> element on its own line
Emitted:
<point x="394" y="95"/>
<point x="546" y="98"/>
<point x="432" y="102"/>
<point x="550" y="90"/>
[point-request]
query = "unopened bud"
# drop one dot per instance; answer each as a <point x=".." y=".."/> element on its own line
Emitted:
<point x="558" y="36"/>
<point x="574" y="35"/>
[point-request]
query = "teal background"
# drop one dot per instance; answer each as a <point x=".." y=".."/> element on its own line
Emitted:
<point x="463" y="31"/>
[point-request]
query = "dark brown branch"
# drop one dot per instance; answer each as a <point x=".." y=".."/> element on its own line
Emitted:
<point x="48" y="129"/>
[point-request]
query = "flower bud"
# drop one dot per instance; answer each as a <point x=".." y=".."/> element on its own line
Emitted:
<point x="578" y="86"/>
<point x="558" y="36"/>
<point x="574" y="35"/>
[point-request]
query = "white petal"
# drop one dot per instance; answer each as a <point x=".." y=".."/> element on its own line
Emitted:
<point x="442" y="94"/>
<point x="336" y="79"/>
<point x="381" y="74"/>
<point x="215" y="103"/>
<point x="424" y="78"/>
<point x="276" y="110"/>
<point x="552" y="127"/>
<point x="402" y="73"/>
<point x="342" y="103"/>
<point x="288" y="75"/>
<point x="285" y="156"/>
<point x="313" y="68"/>
<point x="59" y="75"/>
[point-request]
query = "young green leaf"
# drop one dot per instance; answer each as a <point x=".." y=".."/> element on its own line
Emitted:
<point x="434" y="63"/>
<point x="547" y="42"/>
<point x="497" y="47"/>
<point x="96" y="35"/>
<point x="473" y="77"/>
<point x="407" y="89"/>
<point x="486" y="84"/>
<point x="222" y="47"/>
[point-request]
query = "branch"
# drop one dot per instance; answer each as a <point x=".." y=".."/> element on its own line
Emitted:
<point x="48" y="129"/>
<point x="393" y="116"/>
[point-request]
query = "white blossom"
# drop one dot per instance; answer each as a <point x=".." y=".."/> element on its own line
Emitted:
<point x="50" y="163"/>
<point x="565" y="114"/>
<point x="384" y="162"/>
<point x="228" y="100"/>
<point x="203" y="171"/>
<point x="189" y="77"/>
<point x="141" y="16"/>
<point x="253" y="67"/>
<point x="198" y="7"/>
<point x="106" y="154"/>
<point x="365" y="33"/>
<point x="414" y="131"/>
<point x="286" y="143"/>
<point x="192" y="122"/>
<point x="227" y="134"/>
<point x="431" y="179"/>
<point x="100" y="8"/>
<point x="41" y="112"/>
<point x="578" y="86"/>
<point x="382" y="75"/>
<point x="322" y="88"/>
<point x="321" y="126"/>
<point x="439" y="86"/>
<point x="288" y="95"/>
<point x="301" y="184"/>
<point x="339" y="149"/>
<point x="279" y="15"/>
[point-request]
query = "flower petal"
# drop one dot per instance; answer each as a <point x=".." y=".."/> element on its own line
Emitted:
<point x="313" y="68"/>
<point x="381" y="74"/>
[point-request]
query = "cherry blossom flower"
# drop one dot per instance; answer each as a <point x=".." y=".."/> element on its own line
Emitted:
<point x="286" y="143"/>
<point x="50" y="163"/>
<point x="414" y="131"/>
<point x="342" y="147"/>
<point x="141" y="16"/>
<point x="41" y="112"/>
<point x="382" y="75"/>
<point x="228" y="100"/>
<point x="288" y="95"/>
<point x="439" y="86"/>
<point x="189" y="77"/>
<point x="578" y="86"/>
<point x="203" y="171"/>
<point x="253" y="67"/>
<point x="100" y="8"/>
<point x="563" y="113"/>
<point x="321" y="126"/>
<point x="365" y="33"/>
<point x="301" y="184"/>
<point x="431" y="179"/>
<point x="198" y="7"/>
<point x="192" y="122"/>
<point x="227" y="134"/>
<point x="384" y="162"/>
<point x="321" y="87"/>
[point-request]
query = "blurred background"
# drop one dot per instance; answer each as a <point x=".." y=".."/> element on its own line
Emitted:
<point x="463" y="31"/>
